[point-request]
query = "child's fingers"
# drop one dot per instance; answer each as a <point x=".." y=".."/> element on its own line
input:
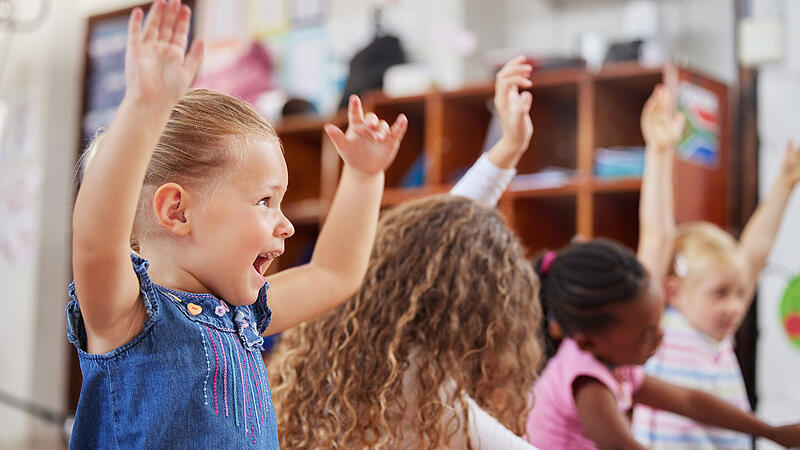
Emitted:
<point x="526" y="101"/>
<point x="516" y="61"/>
<point x="181" y="35"/>
<point x="518" y="69"/>
<point x="336" y="135"/>
<point x="372" y="122"/>
<point x="194" y="57"/>
<point x="355" y="113"/>
<point x="678" y="122"/>
<point x="153" y="21"/>
<point x="135" y="25"/>
<point x="398" y="128"/>
<point x="168" y="22"/>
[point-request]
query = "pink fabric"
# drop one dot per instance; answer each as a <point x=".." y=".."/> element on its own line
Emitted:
<point x="554" y="423"/>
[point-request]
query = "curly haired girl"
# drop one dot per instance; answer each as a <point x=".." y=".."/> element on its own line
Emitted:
<point x="441" y="339"/>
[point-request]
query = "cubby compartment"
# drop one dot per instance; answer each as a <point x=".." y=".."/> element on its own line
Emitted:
<point x="544" y="222"/>
<point x="555" y="128"/>
<point x="616" y="216"/>
<point x="619" y="96"/>
<point x="409" y="167"/>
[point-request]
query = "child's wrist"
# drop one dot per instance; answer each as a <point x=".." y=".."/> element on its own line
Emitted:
<point x="159" y="110"/>
<point x="361" y="175"/>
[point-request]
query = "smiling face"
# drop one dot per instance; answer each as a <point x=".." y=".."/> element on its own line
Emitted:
<point x="240" y="229"/>
<point x="712" y="300"/>
<point x="635" y="333"/>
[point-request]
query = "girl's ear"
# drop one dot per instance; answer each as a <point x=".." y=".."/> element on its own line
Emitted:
<point x="555" y="331"/>
<point x="585" y="342"/>
<point x="170" y="203"/>
<point x="672" y="285"/>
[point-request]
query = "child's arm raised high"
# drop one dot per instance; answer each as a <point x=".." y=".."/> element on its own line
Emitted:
<point x="762" y="228"/>
<point x="489" y="177"/>
<point x="341" y="255"/>
<point x="157" y="72"/>
<point x="662" y="128"/>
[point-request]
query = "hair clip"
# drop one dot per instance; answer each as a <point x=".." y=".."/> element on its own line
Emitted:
<point x="681" y="267"/>
<point x="547" y="261"/>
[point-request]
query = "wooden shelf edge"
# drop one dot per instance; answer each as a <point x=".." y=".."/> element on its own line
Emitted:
<point x="610" y="185"/>
<point x="394" y="196"/>
<point x="625" y="70"/>
<point x="307" y="124"/>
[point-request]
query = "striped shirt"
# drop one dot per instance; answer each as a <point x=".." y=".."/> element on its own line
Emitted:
<point x="690" y="358"/>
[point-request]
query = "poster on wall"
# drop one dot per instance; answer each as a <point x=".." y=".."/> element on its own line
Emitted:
<point x="19" y="207"/>
<point x="700" y="143"/>
<point x="790" y="311"/>
<point x="104" y="85"/>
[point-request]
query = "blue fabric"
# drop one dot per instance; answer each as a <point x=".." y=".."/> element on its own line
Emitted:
<point x="186" y="381"/>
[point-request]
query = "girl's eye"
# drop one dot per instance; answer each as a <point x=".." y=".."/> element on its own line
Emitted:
<point x="264" y="201"/>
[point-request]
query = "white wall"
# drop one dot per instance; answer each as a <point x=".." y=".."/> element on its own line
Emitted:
<point x="778" y="362"/>
<point x="699" y="32"/>
<point x="47" y="62"/>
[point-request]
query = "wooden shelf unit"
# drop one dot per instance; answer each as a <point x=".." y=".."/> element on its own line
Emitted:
<point x="574" y="112"/>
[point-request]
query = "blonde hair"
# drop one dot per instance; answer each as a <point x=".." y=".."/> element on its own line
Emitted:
<point x="192" y="146"/>
<point x="448" y="286"/>
<point x="700" y="246"/>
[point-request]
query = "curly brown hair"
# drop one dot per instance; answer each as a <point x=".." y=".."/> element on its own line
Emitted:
<point x="449" y="304"/>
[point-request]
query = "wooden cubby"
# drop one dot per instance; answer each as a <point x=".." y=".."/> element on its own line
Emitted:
<point x="574" y="112"/>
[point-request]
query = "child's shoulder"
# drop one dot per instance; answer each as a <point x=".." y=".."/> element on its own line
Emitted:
<point x="571" y="362"/>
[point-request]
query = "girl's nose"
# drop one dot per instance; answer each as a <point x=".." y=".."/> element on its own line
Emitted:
<point x="285" y="228"/>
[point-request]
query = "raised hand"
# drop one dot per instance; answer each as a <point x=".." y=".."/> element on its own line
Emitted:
<point x="790" y="169"/>
<point x="512" y="106"/>
<point x="369" y="145"/>
<point x="662" y="125"/>
<point x="156" y="66"/>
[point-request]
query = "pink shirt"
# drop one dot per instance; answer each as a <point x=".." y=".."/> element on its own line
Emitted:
<point x="554" y="423"/>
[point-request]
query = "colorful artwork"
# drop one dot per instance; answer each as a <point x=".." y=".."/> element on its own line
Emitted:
<point x="790" y="311"/>
<point x="700" y="142"/>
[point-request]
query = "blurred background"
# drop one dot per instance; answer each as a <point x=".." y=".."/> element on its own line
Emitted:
<point x="61" y="78"/>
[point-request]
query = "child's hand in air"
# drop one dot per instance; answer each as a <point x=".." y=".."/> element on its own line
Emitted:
<point x="156" y="69"/>
<point x="787" y="436"/>
<point x="790" y="169"/>
<point x="513" y="107"/>
<point x="369" y="145"/>
<point x="662" y="125"/>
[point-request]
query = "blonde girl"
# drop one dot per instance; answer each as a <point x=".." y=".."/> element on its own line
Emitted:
<point x="168" y="337"/>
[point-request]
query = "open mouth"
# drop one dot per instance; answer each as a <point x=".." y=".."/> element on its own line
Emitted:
<point x="262" y="262"/>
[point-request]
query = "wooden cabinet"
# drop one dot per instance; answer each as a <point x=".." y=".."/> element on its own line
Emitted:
<point x="574" y="112"/>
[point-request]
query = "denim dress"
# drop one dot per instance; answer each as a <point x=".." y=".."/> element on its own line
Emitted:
<point x="193" y="378"/>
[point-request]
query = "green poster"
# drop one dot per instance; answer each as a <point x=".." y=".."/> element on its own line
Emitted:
<point x="790" y="311"/>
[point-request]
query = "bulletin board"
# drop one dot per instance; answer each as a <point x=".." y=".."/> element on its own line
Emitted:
<point x="104" y="72"/>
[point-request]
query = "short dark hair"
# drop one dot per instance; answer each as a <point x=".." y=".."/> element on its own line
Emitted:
<point x="582" y="281"/>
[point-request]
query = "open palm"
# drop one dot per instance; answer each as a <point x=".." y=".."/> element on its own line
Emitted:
<point x="155" y="65"/>
<point x="369" y="145"/>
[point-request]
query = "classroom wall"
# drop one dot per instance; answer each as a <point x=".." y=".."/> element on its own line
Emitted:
<point x="44" y="66"/>
<point x="698" y="32"/>
<point x="778" y="361"/>
<point x="49" y="64"/>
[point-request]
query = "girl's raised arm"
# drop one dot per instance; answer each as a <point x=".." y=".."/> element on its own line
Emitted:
<point x="157" y="72"/>
<point x="759" y="234"/>
<point x="489" y="177"/>
<point x="343" y="247"/>
<point x="662" y="128"/>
